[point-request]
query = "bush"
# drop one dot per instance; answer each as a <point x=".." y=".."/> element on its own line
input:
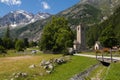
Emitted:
<point x="2" y="49"/>
<point x="97" y="51"/>
<point x="19" y="46"/>
<point x="107" y="50"/>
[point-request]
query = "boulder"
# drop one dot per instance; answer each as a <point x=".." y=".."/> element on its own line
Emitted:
<point x="19" y="74"/>
<point x="34" y="52"/>
<point x="50" y="66"/>
<point x="60" y="61"/>
<point x="32" y="66"/>
<point x="16" y="76"/>
<point x="13" y="74"/>
<point x="49" y="72"/>
<point x="45" y="67"/>
<point x="12" y="79"/>
<point x="43" y="63"/>
<point x="47" y="63"/>
<point x="41" y="74"/>
<point x="24" y="74"/>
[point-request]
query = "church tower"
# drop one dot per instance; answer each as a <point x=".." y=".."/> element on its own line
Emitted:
<point x="79" y="34"/>
<point x="80" y="43"/>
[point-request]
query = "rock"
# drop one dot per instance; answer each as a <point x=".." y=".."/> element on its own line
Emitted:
<point x="45" y="67"/>
<point x="60" y="61"/>
<point x="12" y="79"/>
<point x="32" y="66"/>
<point x="24" y="74"/>
<point x="47" y="63"/>
<point x="48" y="71"/>
<point x="50" y="66"/>
<point x="34" y="52"/>
<point x="19" y="74"/>
<point x="42" y="63"/>
<point x="13" y="74"/>
<point x="16" y="76"/>
<point x="41" y="74"/>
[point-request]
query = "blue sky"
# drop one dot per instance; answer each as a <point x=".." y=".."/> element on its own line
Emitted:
<point x="34" y="6"/>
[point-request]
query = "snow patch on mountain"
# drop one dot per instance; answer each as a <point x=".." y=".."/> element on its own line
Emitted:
<point x="21" y="17"/>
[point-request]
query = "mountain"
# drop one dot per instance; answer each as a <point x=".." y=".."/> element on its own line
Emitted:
<point x="20" y="18"/>
<point x="89" y="12"/>
<point x="108" y="28"/>
<point x="82" y="13"/>
<point x="106" y="6"/>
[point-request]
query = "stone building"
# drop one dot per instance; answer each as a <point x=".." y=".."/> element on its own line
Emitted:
<point x="79" y="43"/>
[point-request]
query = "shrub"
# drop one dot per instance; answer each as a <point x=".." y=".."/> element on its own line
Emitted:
<point x="107" y="50"/>
<point x="2" y="49"/>
<point x="19" y="46"/>
<point x="97" y="51"/>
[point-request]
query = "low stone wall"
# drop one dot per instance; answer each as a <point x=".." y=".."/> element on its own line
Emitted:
<point x="85" y="73"/>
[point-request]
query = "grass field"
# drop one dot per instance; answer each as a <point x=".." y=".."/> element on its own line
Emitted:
<point x="11" y="53"/>
<point x="10" y="65"/>
<point x="113" y="72"/>
<point x="14" y="62"/>
<point x="98" y="74"/>
<point x="66" y="71"/>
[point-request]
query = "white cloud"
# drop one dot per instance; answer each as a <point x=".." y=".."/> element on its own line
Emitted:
<point x="11" y="2"/>
<point x="45" y="5"/>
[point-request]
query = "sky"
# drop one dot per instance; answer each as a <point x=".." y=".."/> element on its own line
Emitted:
<point x="35" y="6"/>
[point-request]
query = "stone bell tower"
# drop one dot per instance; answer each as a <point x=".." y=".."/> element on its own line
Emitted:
<point x="79" y="43"/>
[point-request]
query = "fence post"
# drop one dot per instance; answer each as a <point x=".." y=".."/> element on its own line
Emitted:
<point x="111" y="54"/>
<point x="102" y="56"/>
<point x="96" y="55"/>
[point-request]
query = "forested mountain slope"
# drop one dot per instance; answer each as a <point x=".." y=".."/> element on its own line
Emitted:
<point x="110" y="28"/>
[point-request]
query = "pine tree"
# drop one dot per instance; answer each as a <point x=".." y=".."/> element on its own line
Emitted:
<point x="19" y="46"/>
<point x="7" y="33"/>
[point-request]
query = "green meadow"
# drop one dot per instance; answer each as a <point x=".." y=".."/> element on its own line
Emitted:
<point x="20" y="63"/>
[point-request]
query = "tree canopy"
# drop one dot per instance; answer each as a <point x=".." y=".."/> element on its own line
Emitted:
<point x="57" y="36"/>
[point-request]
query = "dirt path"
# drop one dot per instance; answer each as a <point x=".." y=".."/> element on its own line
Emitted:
<point x="8" y="59"/>
<point x="19" y="57"/>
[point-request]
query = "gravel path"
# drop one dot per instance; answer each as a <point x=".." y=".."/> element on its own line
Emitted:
<point x="94" y="56"/>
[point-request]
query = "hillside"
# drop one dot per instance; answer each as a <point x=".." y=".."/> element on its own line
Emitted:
<point x="106" y="6"/>
<point x="82" y="13"/>
<point x="110" y="27"/>
<point x="89" y="12"/>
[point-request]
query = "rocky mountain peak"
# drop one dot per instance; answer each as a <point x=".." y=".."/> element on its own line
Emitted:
<point x="21" y="17"/>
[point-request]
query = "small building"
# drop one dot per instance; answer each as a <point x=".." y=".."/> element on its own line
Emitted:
<point x="97" y="46"/>
<point x="76" y="46"/>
